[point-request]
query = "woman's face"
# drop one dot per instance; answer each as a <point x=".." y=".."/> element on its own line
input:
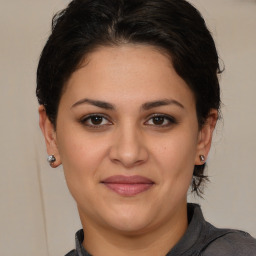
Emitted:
<point x="127" y="136"/>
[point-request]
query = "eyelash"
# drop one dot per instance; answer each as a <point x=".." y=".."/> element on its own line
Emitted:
<point x="170" y="121"/>
<point x="89" y="117"/>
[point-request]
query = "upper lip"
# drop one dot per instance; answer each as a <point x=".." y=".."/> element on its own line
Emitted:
<point x="121" y="179"/>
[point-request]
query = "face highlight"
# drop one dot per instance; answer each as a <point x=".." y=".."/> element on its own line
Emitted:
<point x="128" y="138"/>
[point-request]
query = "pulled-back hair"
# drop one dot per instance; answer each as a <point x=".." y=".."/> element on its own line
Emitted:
<point x="172" y="26"/>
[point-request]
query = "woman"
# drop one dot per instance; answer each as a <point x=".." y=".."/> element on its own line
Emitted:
<point x="129" y="99"/>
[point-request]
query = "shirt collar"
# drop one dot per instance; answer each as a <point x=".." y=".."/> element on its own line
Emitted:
<point x="196" y="229"/>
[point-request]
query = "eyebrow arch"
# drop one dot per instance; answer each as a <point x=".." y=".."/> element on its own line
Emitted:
<point x="159" y="103"/>
<point x="97" y="103"/>
<point x="145" y="106"/>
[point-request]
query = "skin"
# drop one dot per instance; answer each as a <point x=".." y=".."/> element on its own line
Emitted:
<point x="128" y="140"/>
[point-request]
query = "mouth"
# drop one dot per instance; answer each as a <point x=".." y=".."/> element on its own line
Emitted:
<point x="128" y="185"/>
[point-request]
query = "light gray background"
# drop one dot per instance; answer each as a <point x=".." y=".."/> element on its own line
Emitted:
<point x="37" y="214"/>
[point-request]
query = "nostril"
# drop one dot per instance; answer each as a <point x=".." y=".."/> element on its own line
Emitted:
<point x="128" y="157"/>
<point x="128" y="148"/>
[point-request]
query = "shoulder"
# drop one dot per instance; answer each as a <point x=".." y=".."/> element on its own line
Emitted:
<point x="72" y="253"/>
<point x="235" y="242"/>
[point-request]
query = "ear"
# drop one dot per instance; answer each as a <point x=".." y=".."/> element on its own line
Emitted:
<point x="205" y="137"/>
<point x="49" y="133"/>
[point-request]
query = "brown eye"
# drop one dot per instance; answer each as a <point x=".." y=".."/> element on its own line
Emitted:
<point x="161" y="120"/>
<point x="96" y="120"/>
<point x="158" y="120"/>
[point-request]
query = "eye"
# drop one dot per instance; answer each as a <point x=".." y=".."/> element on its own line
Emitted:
<point x="161" y="120"/>
<point x="95" y="121"/>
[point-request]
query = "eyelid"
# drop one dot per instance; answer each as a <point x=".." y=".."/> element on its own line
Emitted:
<point x="170" y="119"/>
<point x="87" y="117"/>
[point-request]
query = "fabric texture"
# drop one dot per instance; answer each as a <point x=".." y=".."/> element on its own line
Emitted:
<point x="200" y="239"/>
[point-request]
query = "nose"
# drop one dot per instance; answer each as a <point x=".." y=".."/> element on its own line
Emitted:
<point x="128" y="148"/>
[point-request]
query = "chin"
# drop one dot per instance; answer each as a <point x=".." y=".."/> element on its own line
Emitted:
<point x="130" y="227"/>
<point x="130" y="220"/>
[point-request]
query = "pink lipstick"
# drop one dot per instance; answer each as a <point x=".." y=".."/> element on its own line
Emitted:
<point x="128" y="185"/>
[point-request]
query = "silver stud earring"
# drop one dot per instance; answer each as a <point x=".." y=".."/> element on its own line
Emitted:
<point x="51" y="159"/>
<point x="202" y="158"/>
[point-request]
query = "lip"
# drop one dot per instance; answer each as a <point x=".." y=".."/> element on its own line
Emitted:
<point x="128" y="185"/>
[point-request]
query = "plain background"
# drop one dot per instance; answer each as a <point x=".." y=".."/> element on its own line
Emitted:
<point x="37" y="214"/>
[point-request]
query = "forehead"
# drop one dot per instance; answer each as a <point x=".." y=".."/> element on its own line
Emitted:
<point x="127" y="72"/>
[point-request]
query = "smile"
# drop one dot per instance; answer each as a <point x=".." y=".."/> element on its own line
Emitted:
<point x="128" y="185"/>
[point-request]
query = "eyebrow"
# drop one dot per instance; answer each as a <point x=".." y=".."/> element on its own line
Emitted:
<point x="97" y="103"/>
<point x="145" y="106"/>
<point x="159" y="103"/>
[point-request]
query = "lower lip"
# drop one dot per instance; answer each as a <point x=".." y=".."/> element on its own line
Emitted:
<point x="128" y="189"/>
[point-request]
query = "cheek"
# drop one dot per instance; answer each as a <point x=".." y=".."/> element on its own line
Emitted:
<point x="82" y="159"/>
<point x="175" y="156"/>
<point x="81" y="155"/>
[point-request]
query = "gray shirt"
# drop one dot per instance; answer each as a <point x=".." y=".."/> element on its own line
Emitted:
<point x="200" y="239"/>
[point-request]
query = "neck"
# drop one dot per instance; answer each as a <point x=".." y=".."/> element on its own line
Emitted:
<point x="157" y="241"/>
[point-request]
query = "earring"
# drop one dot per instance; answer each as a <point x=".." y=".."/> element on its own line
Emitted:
<point x="202" y="158"/>
<point x="51" y="159"/>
